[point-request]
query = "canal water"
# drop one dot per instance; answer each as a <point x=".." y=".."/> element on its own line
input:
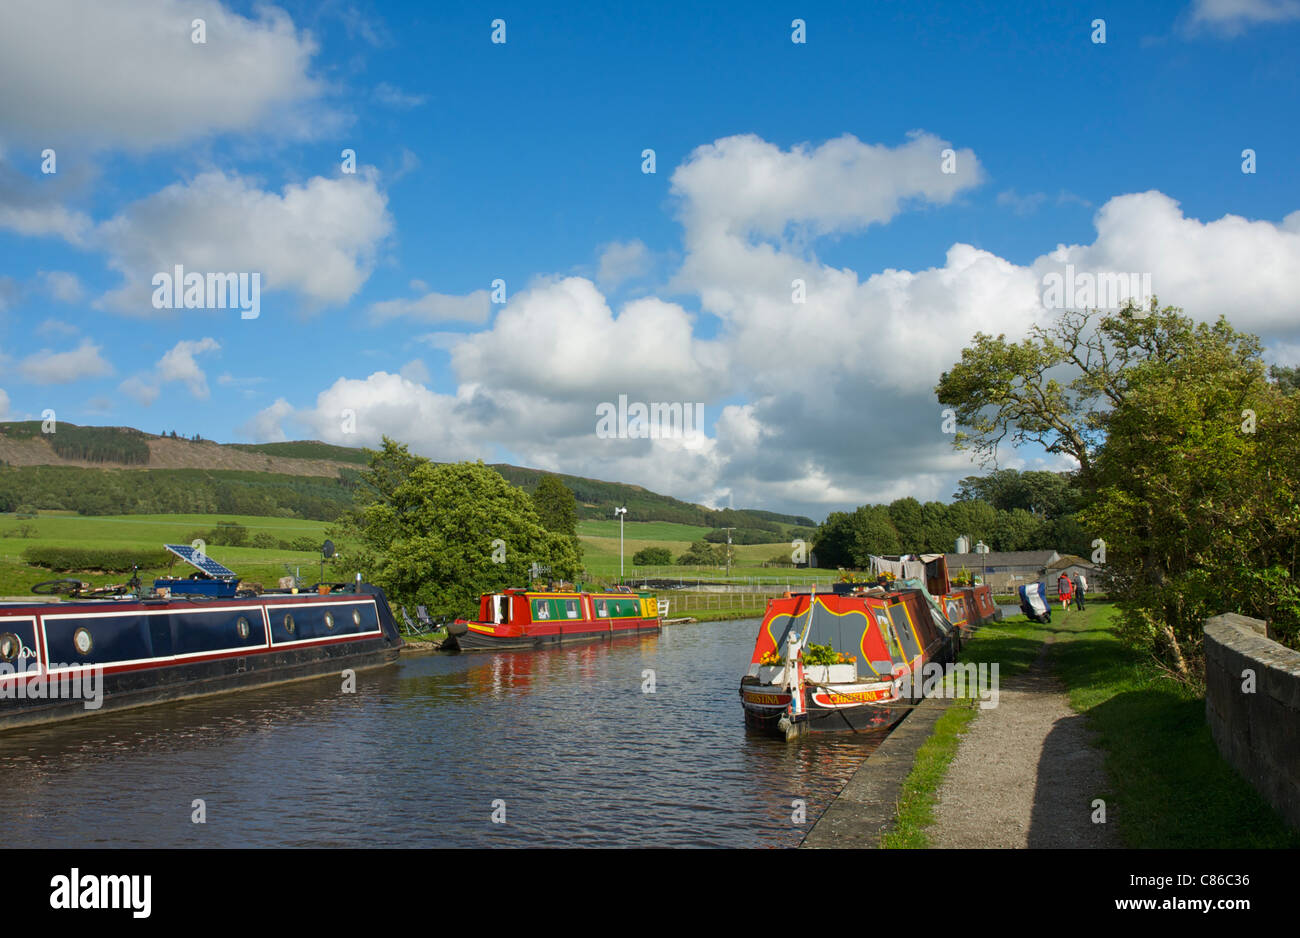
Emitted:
<point x="639" y="743"/>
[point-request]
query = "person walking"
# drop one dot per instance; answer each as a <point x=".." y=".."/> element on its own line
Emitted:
<point x="1064" y="590"/>
<point x="1080" y="587"/>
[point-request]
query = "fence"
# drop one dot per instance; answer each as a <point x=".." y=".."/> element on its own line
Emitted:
<point x="683" y="604"/>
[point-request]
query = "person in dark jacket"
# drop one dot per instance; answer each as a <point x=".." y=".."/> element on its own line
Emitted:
<point x="1080" y="587"/>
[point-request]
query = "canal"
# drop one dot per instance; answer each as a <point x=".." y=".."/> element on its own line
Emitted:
<point x="639" y="743"/>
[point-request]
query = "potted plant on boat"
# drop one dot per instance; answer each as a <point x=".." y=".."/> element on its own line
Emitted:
<point x="822" y="664"/>
<point x="886" y="579"/>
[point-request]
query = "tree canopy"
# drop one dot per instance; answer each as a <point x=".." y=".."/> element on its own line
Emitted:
<point x="443" y="534"/>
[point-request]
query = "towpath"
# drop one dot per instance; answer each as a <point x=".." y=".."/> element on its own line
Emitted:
<point x="1024" y="774"/>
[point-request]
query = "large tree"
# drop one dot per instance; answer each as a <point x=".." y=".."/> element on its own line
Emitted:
<point x="444" y="534"/>
<point x="1056" y="386"/>
<point x="1188" y="456"/>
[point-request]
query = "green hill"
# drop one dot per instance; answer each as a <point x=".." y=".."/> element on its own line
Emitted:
<point x="121" y="470"/>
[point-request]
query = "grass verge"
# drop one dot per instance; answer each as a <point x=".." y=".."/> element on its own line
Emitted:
<point x="1172" y="788"/>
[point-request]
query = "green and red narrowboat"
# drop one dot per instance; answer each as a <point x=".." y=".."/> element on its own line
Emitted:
<point x="519" y="618"/>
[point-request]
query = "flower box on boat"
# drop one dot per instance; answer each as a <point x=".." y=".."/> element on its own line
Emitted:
<point x="830" y="673"/>
<point x="812" y="673"/>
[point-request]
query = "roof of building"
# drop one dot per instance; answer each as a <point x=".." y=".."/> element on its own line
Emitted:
<point x="1010" y="558"/>
<point x="1071" y="560"/>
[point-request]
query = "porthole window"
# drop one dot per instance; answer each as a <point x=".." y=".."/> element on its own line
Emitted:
<point x="82" y="640"/>
<point x="329" y="620"/>
<point x="356" y="616"/>
<point x="288" y="622"/>
<point x="241" y="626"/>
<point x="10" y="646"/>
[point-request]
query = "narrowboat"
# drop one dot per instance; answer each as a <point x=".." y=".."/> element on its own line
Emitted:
<point x="187" y="637"/>
<point x="842" y="661"/>
<point x="519" y="618"/>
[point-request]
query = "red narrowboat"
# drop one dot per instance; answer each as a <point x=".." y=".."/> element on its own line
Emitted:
<point x="518" y="618"/>
<point x="879" y="640"/>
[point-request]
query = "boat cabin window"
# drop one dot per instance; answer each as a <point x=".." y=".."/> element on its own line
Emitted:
<point x="541" y="609"/>
<point x="571" y="608"/>
<point x="502" y="609"/>
<point x="602" y="608"/>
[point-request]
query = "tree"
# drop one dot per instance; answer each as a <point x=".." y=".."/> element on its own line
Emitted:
<point x="1014" y="530"/>
<point x="1195" y="499"/>
<point x="652" y="557"/>
<point x="703" y="554"/>
<point x="558" y="510"/>
<point x="905" y="513"/>
<point x="1002" y="389"/>
<point x="556" y="506"/>
<point x="1045" y="494"/>
<point x="1188" y="460"/>
<point x="445" y="534"/>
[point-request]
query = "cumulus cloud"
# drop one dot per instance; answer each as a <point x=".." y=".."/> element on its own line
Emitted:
<point x="816" y="398"/>
<point x="126" y="73"/>
<point x="266" y="426"/>
<point x="49" y="367"/>
<point x="317" y="238"/>
<point x="178" y="364"/>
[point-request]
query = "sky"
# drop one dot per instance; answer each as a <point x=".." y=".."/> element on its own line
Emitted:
<point x="471" y="227"/>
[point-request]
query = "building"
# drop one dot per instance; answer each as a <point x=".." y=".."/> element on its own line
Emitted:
<point x="1006" y="571"/>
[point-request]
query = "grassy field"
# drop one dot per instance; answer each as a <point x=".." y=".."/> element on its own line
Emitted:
<point x="600" y="547"/>
<point x="152" y="531"/>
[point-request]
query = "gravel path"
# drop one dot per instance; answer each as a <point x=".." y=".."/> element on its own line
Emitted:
<point x="1025" y="775"/>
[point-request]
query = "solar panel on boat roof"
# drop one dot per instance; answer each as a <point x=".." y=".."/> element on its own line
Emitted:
<point x="196" y="558"/>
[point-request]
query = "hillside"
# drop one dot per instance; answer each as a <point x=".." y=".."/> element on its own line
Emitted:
<point x="152" y="473"/>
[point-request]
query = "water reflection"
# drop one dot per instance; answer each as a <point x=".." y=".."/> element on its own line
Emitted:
<point x="422" y="753"/>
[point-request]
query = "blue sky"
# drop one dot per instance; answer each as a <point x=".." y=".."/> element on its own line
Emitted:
<point x="522" y="161"/>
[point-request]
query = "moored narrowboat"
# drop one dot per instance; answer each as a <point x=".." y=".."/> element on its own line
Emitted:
<point x="184" y="638"/>
<point x="519" y="618"/>
<point x="842" y="661"/>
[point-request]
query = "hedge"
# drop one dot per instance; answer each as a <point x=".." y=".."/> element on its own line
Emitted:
<point x="107" y="559"/>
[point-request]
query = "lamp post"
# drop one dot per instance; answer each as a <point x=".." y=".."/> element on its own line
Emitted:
<point x="982" y="549"/>
<point x="620" y="512"/>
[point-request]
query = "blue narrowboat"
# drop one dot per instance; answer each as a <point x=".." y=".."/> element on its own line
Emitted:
<point x="184" y="638"/>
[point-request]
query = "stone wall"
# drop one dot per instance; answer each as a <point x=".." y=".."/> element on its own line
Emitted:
<point x="1257" y="732"/>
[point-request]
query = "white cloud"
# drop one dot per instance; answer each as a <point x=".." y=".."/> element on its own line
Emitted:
<point x="436" y="307"/>
<point x="810" y="406"/>
<point x="56" y="327"/>
<point x="622" y="261"/>
<point x="125" y="73"/>
<point x="177" y="364"/>
<point x="266" y="425"/>
<point x="4" y="404"/>
<point x="415" y="371"/>
<point x="318" y="238"/>
<point x="1232" y="17"/>
<point x="394" y="97"/>
<point x="63" y="286"/>
<point x="48" y="367"/>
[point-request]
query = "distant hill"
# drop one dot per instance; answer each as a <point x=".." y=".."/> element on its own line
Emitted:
<point x="302" y="478"/>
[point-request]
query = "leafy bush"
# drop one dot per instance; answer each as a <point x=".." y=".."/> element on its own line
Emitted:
<point x="652" y="557"/>
<point x="264" y="541"/>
